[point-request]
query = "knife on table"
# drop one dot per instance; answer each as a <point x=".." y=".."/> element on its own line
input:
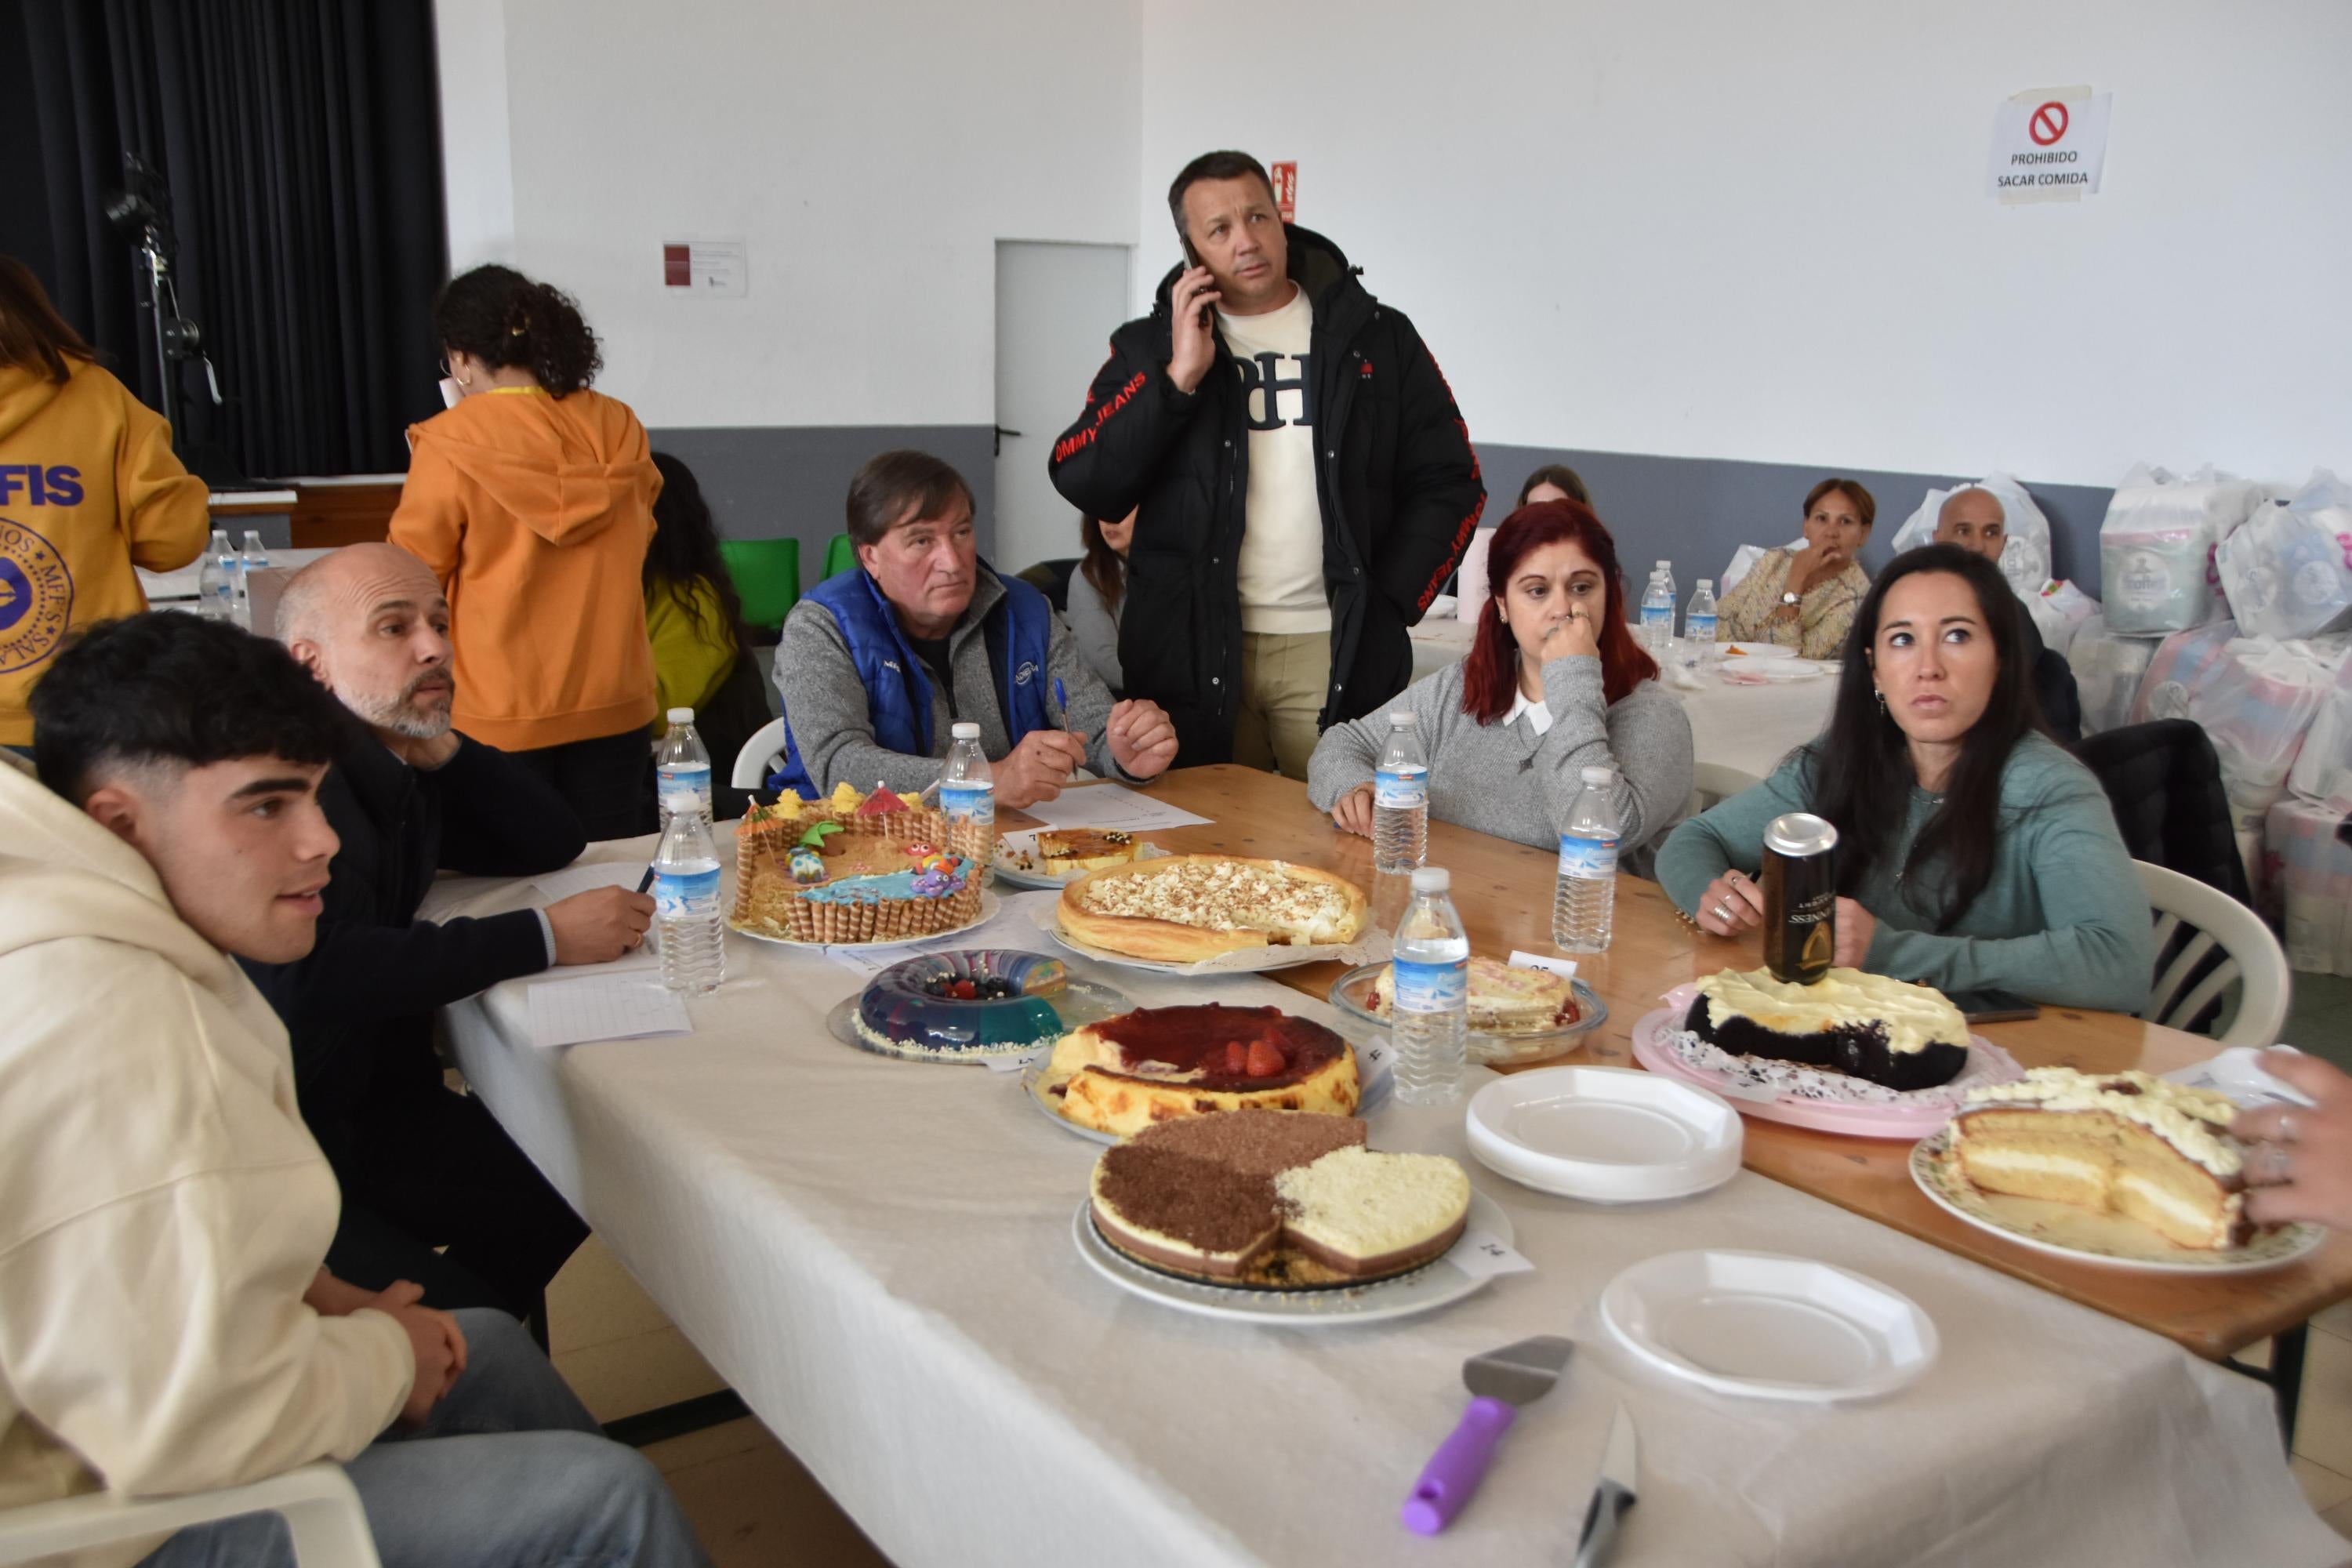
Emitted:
<point x="1610" y="1498"/>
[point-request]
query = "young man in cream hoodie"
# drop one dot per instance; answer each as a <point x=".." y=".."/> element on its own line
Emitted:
<point x="165" y="1324"/>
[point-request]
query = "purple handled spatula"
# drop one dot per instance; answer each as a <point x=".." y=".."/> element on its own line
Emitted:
<point x="1499" y="1381"/>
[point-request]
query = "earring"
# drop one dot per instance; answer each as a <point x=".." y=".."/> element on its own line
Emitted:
<point x="1874" y="691"/>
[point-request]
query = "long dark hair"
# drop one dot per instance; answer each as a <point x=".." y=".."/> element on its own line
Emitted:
<point x="685" y="550"/>
<point x="33" y="336"/>
<point x="1569" y="481"/>
<point x="1490" y="672"/>
<point x="1862" y="775"/>
<point x="1103" y="566"/>
<point x="502" y="318"/>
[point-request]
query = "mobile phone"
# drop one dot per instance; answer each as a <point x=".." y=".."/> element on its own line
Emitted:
<point x="1993" y="1006"/>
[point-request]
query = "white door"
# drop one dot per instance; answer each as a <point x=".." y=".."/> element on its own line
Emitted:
<point x="1055" y="308"/>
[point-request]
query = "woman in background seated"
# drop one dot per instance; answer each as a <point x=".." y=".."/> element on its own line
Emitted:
<point x="1805" y="599"/>
<point x="1554" y="481"/>
<point x="1972" y="850"/>
<point x="692" y="616"/>
<point x="1098" y="593"/>
<point x="1553" y="684"/>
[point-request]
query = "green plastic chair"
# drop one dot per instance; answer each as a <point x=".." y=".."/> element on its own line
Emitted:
<point x="839" y="556"/>
<point x="767" y="574"/>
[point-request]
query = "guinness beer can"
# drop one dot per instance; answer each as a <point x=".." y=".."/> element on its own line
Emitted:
<point x="1800" y="897"/>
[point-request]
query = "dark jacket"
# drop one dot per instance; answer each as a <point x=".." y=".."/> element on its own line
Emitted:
<point x="2165" y="784"/>
<point x="359" y="1007"/>
<point x="1395" y="472"/>
<point x="2053" y="683"/>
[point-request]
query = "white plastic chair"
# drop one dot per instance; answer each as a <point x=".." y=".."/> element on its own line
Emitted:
<point x="762" y="754"/>
<point x="2252" y="965"/>
<point x="1714" y="782"/>
<point x="321" y="1510"/>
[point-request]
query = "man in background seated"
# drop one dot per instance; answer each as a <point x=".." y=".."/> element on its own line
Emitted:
<point x="1974" y="520"/>
<point x="165" y="1324"/>
<point x="876" y="665"/>
<point x="422" y="1166"/>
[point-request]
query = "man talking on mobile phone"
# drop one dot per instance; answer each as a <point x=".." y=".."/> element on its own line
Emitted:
<point x="1303" y="482"/>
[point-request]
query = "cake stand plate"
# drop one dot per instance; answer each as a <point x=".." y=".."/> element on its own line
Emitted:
<point x="2062" y="1230"/>
<point x="988" y="907"/>
<point x="1434" y="1285"/>
<point x="1080" y="1002"/>
<point x="1819" y="1098"/>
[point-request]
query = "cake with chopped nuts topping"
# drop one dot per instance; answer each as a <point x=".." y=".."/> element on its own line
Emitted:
<point x="1185" y="908"/>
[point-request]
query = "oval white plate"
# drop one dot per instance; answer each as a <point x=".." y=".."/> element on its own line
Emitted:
<point x="1759" y="649"/>
<point x="1011" y="873"/>
<point x="2064" y="1231"/>
<point x="1761" y="1326"/>
<point x="1610" y="1135"/>
<point x="1424" y="1289"/>
<point x="987" y="913"/>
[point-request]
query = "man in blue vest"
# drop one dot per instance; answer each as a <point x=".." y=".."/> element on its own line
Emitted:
<point x="876" y="665"/>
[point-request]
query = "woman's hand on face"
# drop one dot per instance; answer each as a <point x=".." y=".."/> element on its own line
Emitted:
<point x="1577" y="634"/>
<point x="1732" y="903"/>
<point x="1352" y="811"/>
<point x="1855" y="927"/>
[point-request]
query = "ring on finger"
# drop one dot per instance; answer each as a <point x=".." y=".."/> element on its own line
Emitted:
<point x="1722" y="911"/>
<point x="2282" y="1163"/>
<point x="2286" y="1128"/>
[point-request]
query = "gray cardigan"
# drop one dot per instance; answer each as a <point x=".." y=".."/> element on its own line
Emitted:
<point x="1501" y="779"/>
<point x="1096" y="626"/>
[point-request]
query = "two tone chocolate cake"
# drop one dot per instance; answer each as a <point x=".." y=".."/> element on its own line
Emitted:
<point x="1279" y="1202"/>
<point x="1868" y="1026"/>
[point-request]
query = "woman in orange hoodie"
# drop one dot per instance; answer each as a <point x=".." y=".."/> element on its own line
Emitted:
<point x="532" y="499"/>
<point x="88" y="489"/>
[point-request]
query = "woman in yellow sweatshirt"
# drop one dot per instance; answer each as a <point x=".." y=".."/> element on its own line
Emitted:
<point x="532" y="499"/>
<point x="88" y="489"/>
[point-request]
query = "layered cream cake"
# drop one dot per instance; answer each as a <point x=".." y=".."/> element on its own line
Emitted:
<point x="2128" y="1143"/>
<point x="1868" y="1026"/>
<point x="1279" y="1202"/>
<point x="1184" y="907"/>
<point x="1162" y="1064"/>
<point x="1503" y="1000"/>
<point x="1068" y="850"/>
<point x="850" y="868"/>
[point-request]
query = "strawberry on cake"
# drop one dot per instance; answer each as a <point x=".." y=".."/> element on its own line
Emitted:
<point x="1162" y="1064"/>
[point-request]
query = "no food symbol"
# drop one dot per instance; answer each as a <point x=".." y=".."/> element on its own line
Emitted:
<point x="2049" y="123"/>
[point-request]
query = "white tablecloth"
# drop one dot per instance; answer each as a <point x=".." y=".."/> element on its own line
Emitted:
<point x="877" y="1256"/>
<point x="1750" y="728"/>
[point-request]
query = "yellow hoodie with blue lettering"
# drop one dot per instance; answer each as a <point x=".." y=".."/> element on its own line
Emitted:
<point x="88" y="489"/>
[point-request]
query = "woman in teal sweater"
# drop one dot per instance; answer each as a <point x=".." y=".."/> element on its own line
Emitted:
<point x="1972" y="851"/>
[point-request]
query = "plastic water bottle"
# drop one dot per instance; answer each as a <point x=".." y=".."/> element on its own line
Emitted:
<point x="256" y="554"/>
<point x="1584" y="903"/>
<point x="1658" y="612"/>
<point x="967" y="801"/>
<point x="1401" y="798"/>
<point x="217" y="582"/>
<point x="681" y="766"/>
<point x="1698" y="621"/>
<point x="1431" y="1014"/>
<point x="686" y="897"/>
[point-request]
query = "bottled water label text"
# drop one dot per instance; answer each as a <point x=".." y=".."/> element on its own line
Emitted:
<point x="968" y="803"/>
<point x="1400" y="789"/>
<point x="685" y="893"/>
<point x="1431" y="987"/>
<point x="1587" y="859"/>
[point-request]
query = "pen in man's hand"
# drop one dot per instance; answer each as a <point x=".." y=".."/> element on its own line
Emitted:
<point x="645" y="882"/>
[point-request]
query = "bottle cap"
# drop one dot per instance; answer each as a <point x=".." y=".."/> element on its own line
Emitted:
<point x="1708" y="584"/>
<point x="1432" y="880"/>
<point x="681" y="715"/>
<point x="1598" y="777"/>
<point x="965" y="731"/>
<point x="1403" y="719"/>
<point x="1666" y="566"/>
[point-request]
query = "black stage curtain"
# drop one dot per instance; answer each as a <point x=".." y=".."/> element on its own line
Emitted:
<point x="299" y="140"/>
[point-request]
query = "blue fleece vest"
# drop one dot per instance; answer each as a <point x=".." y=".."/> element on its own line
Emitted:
<point x="898" y="684"/>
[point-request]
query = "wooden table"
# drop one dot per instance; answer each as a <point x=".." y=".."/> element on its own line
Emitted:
<point x="1504" y="891"/>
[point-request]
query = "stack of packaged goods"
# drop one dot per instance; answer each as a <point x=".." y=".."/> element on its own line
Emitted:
<point x="2307" y="886"/>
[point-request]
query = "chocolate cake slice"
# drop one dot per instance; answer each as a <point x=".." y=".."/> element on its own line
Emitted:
<point x="1868" y="1026"/>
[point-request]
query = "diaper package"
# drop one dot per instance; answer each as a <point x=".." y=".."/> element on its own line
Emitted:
<point x="2182" y="660"/>
<point x="2322" y="773"/>
<point x="2060" y="609"/>
<point x="2156" y="547"/>
<point x="2107" y="669"/>
<point x="2308" y="887"/>
<point x="2288" y="571"/>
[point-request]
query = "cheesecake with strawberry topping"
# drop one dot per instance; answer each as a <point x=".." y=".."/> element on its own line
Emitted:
<point x="1162" y="1064"/>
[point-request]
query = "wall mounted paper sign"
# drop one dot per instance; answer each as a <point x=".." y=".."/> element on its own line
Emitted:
<point x="1286" y="190"/>
<point x="713" y="268"/>
<point x="2049" y="145"/>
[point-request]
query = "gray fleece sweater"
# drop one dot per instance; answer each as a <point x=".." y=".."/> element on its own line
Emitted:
<point x="1502" y="779"/>
<point x="835" y="729"/>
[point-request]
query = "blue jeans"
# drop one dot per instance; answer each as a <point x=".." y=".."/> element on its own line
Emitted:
<point x="508" y="1469"/>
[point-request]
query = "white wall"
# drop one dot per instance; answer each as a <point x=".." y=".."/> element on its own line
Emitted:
<point x="1725" y="228"/>
<point x="476" y="152"/>
<point x="870" y="153"/>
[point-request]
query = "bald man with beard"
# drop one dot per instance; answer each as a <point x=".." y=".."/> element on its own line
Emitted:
<point x="1974" y="519"/>
<point x="422" y="1167"/>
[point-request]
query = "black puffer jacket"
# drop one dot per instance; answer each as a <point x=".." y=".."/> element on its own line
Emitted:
<point x="1394" y="470"/>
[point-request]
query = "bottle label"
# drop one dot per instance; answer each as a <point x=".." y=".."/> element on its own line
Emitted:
<point x="1658" y="615"/>
<point x="676" y="776"/>
<point x="1431" y="987"/>
<point x="685" y="893"/>
<point x="1400" y="789"/>
<point x="968" y="803"/>
<point x="1587" y="859"/>
<point x="1699" y="628"/>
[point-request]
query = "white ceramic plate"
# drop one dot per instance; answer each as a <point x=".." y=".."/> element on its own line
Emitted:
<point x="2064" y="1231"/>
<point x="1424" y="1289"/>
<point x="1377" y="1085"/>
<point x="1011" y="873"/>
<point x="1761" y="1326"/>
<point x="1759" y="649"/>
<point x="1610" y="1135"/>
<point x="987" y="913"/>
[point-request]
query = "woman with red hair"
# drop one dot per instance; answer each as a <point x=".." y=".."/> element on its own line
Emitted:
<point x="1554" y="684"/>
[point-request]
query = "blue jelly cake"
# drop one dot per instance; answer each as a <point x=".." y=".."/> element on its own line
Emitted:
<point x="962" y="1006"/>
